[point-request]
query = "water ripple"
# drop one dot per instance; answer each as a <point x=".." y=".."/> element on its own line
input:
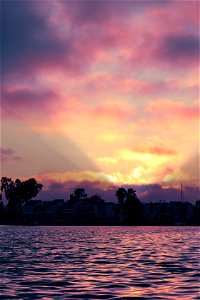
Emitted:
<point x="99" y="262"/>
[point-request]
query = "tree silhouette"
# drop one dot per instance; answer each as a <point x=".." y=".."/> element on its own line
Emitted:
<point x="132" y="207"/>
<point x="96" y="199"/>
<point x="78" y="194"/>
<point x="121" y="195"/>
<point x="12" y="191"/>
<point x="30" y="189"/>
<point x="19" y="192"/>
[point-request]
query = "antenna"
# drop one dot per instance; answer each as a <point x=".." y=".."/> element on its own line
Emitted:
<point x="182" y="193"/>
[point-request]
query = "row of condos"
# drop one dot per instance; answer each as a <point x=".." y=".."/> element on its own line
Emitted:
<point x="63" y="213"/>
<point x="59" y="212"/>
<point x="171" y="213"/>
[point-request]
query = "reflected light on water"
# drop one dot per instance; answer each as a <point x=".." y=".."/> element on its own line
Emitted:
<point x="99" y="262"/>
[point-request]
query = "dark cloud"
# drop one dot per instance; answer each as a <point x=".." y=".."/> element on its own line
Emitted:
<point x="28" y="42"/>
<point x="155" y="193"/>
<point x="27" y="95"/>
<point x="21" y="33"/>
<point x="98" y="12"/>
<point x="180" y="48"/>
<point x="91" y="11"/>
<point x="146" y="193"/>
<point x="106" y="190"/>
<point x="54" y="189"/>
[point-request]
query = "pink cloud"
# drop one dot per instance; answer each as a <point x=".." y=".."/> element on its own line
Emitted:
<point x="72" y="36"/>
<point x="177" y="13"/>
<point x="169" y="108"/>
<point x="41" y="106"/>
<point x="157" y="150"/>
<point x="145" y="87"/>
<point x="118" y="110"/>
<point x="162" y="151"/>
<point x="170" y="41"/>
<point x="101" y="83"/>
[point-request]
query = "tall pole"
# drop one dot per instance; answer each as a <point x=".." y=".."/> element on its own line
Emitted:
<point x="182" y="194"/>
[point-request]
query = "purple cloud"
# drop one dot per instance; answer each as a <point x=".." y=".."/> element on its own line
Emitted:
<point x="98" y="12"/>
<point x="155" y="193"/>
<point x="21" y="102"/>
<point x="32" y="41"/>
<point x="8" y="155"/>
<point x="29" y="43"/>
<point x="146" y="193"/>
<point x="180" y="49"/>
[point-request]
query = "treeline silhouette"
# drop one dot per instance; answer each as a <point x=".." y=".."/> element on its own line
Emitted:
<point x="80" y="209"/>
<point x="18" y="193"/>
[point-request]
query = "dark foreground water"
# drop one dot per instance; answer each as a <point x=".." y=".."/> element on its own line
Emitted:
<point x="99" y="262"/>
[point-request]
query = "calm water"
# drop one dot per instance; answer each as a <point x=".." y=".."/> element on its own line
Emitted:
<point x="99" y="262"/>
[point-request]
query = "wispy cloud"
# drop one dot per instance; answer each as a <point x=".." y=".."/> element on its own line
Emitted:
<point x="9" y="155"/>
<point x="174" y="109"/>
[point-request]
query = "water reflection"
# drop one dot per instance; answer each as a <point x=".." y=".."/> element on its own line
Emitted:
<point x="99" y="262"/>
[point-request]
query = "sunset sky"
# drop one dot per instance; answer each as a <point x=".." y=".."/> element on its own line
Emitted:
<point x="99" y="94"/>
